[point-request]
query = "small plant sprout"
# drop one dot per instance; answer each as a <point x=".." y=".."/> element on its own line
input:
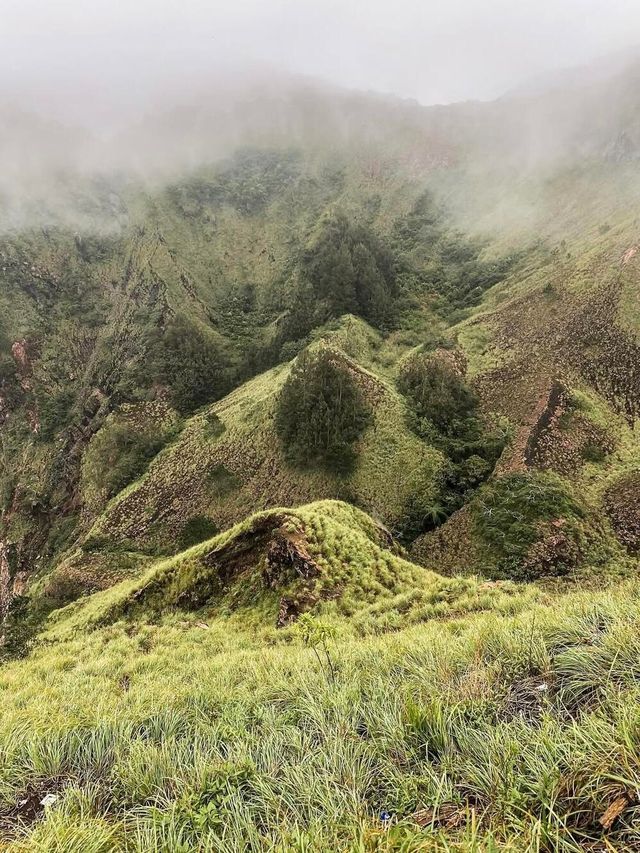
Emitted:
<point x="316" y="635"/>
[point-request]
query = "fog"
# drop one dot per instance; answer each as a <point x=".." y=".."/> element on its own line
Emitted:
<point x="105" y="59"/>
<point x="152" y="86"/>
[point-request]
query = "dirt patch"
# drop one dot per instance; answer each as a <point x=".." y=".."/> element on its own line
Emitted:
<point x="526" y="699"/>
<point x="563" y="438"/>
<point x="29" y="806"/>
<point x="555" y="405"/>
<point x="445" y="816"/>
<point x="622" y="505"/>
<point x="276" y="538"/>
<point x="291" y="608"/>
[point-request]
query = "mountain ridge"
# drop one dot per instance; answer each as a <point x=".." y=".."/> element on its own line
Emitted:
<point x="319" y="486"/>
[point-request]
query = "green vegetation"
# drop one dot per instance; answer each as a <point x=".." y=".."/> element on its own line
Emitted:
<point x="439" y="258"/>
<point x="120" y="451"/>
<point x="190" y="359"/>
<point x="316" y="635"/>
<point x="196" y="530"/>
<point x="248" y="181"/>
<point x="188" y="292"/>
<point x="9" y="380"/>
<point x="321" y="411"/>
<point x="440" y="397"/>
<point x="444" y="412"/>
<point x="187" y="665"/>
<point x="350" y="270"/>
<point x="513" y="732"/>
<point x="509" y="514"/>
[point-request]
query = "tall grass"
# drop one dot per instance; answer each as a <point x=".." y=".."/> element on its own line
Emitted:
<point x="507" y="732"/>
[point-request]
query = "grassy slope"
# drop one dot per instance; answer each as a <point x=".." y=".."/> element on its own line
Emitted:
<point x="485" y="732"/>
<point x="506" y="718"/>
<point x="569" y="316"/>
<point x="84" y="306"/>
<point x="529" y="332"/>
<point x="226" y="470"/>
<point x="354" y="574"/>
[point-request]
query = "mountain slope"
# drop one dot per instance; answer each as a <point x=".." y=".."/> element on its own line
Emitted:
<point x="416" y="328"/>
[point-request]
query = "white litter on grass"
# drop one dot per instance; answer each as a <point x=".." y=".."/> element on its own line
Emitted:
<point x="48" y="800"/>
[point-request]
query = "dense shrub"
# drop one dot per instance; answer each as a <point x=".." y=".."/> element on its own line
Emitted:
<point x="197" y="529"/>
<point x="443" y="260"/>
<point x="192" y="361"/>
<point x="351" y="271"/>
<point x="321" y="411"/>
<point x="247" y="181"/>
<point x="439" y="396"/>
<point x="443" y="411"/>
<point x="509" y="514"/>
<point x="54" y="410"/>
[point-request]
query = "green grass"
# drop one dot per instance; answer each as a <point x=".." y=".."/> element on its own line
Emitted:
<point x="175" y="736"/>
<point x="356" y="576"/>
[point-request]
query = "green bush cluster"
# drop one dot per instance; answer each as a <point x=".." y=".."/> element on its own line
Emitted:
<point x="321" y="411"/>
<point x="442" y="260"/>
<point x="443" y="410"/>
<point x="197" y="529"/>
<point x="350" y="270"/>
<point x="247" y="181"/>
<point x="192" y="361"/>
<point x="509" y="511"/>
<point x="440" y="398"/>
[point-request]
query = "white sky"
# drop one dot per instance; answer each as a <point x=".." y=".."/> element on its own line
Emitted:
<point x="105" y="54"/>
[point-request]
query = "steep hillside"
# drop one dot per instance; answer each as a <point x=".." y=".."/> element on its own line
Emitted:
<point x="326" y="557"/>
<point x="180" y="295"/>
<point x="319" y="478"/>
<point x="555" y="350"/>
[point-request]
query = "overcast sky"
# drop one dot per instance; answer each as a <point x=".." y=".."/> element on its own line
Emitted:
<point x="95" y="55"/>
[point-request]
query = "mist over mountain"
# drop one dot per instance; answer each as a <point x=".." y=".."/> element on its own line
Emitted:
<point x="545" y="128"/>
<point x="319" y="401"/>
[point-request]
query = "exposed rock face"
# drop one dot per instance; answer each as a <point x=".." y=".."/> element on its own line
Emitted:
<point x="287" y="553"/>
